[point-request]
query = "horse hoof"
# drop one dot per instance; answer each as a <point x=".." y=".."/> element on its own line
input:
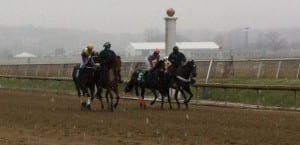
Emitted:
<point x="89" y="107"/>
<point x="152" y="103"/>
<point x="186" y="101"/>
<point x="83" y="106"/>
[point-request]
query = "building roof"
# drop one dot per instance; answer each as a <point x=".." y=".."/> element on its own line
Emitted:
<point x="181" y="45"/>
<point x="24" y="55"/>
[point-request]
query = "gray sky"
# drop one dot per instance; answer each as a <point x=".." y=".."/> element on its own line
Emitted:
<point x="136" y="15"/>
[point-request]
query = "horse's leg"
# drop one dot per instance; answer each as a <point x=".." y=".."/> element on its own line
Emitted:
<point x="176" y="98"/>
<point x="89" y="96"/>
<point x="84" y="103"/>
<point x="111" y="100"/>
<point x="155" y="96"/>
<point x="169" y="100"/>
<point x="137" y="94"/>
<point x="99" y="96"/>
<point x="143" y="104"/>
<point x="107" y="100"/>
<point x="116" y="90"/>
<point x="185" y="99"/>
<point x="188" y="90"/>
<point x="162" y="100"/>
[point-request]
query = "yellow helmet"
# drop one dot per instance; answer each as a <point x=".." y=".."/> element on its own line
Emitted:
<point x="90" y="47"/>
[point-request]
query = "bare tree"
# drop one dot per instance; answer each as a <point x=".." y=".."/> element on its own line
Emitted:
<point x="275" y="41"/>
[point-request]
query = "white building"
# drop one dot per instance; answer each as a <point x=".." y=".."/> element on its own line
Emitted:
<point x="190" y="49"/>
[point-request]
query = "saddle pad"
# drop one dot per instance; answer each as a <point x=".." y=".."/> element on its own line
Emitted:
<point x="141" y="74"/>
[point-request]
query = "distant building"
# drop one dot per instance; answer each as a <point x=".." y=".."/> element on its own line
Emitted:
<point x="25" y="55"/>
<point x="190" y="49"/>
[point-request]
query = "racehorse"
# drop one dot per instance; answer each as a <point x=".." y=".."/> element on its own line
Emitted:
<point x="85" y="83"/>
<point x="108" y="79"/>
<point x="152" y="79"/>
<point x="183" y="81"/>
<point x="180" y="79"/>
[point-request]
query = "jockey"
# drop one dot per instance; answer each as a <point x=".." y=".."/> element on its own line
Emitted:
<point x="107" y="57"/>
<point x="86" y="55"/>
<point x="176" y="58"/>
<point x="149" y="59"/>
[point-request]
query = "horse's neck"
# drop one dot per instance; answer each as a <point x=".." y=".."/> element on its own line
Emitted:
<point x="184" y="71"/>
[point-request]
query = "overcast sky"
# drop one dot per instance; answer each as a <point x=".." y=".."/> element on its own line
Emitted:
<point x="136" y="15"/>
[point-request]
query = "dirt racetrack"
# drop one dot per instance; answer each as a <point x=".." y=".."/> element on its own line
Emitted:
<point x="34" y="118"/>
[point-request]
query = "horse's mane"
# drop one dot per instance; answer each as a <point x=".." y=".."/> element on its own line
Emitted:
<point x="188" y="64"/>
<point x="159" y="65"/>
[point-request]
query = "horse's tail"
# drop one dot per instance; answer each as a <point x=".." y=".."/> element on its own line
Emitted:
<point x="74" y="72"/>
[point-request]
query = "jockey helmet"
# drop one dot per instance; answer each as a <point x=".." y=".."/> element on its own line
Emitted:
<point x="156" y="50"/>
<point x="90" y="47"/>
<point x="175" y="49"/>
<point x="107" y="45"/>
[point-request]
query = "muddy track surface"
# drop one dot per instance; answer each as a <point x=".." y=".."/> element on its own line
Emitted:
<point x="35" y="118"/>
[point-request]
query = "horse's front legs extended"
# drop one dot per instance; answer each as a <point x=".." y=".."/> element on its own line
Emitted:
<point x="188" y="90"/>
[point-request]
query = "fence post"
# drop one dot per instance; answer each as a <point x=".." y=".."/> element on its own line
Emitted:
<point x="295" y="92"/>
<point x="47" y="73"/>
<point x="37" y="70"/>
<point x="226" y="97"/>
<point x="297" y="76"/>
<point x="259" y="69"/>
<point x="278" y="69"/>
<point x="7" y="69"/>
<point x="205" y="95"/>
<point x="257" y="92"/>
<point x="26" y="70"/>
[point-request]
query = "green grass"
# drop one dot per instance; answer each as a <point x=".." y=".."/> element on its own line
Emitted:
<point x="262" y="97"/>
<point x="61" y="86"/>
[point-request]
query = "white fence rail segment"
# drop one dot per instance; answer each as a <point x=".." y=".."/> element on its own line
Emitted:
<point x="286" y="68"/>
<point x="207" y="70"/>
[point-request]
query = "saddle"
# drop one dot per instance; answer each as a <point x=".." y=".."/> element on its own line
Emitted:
<point x="141" y="75"/>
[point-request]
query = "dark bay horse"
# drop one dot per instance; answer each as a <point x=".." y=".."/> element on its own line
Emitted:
<point x="152" y="79"/>
<point x="108" y="79"/>
<point x="183" y="80"/>
<point x="180" y="79"/>
<point x="85" y="83"/>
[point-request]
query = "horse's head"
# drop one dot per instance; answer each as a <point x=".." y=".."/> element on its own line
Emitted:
<point x="117" y="63"/>
<point x="130" y="84"/>
<point x="191" y="67"/>
<point x="167" y="64"/>
<point x="160" y="65"/>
